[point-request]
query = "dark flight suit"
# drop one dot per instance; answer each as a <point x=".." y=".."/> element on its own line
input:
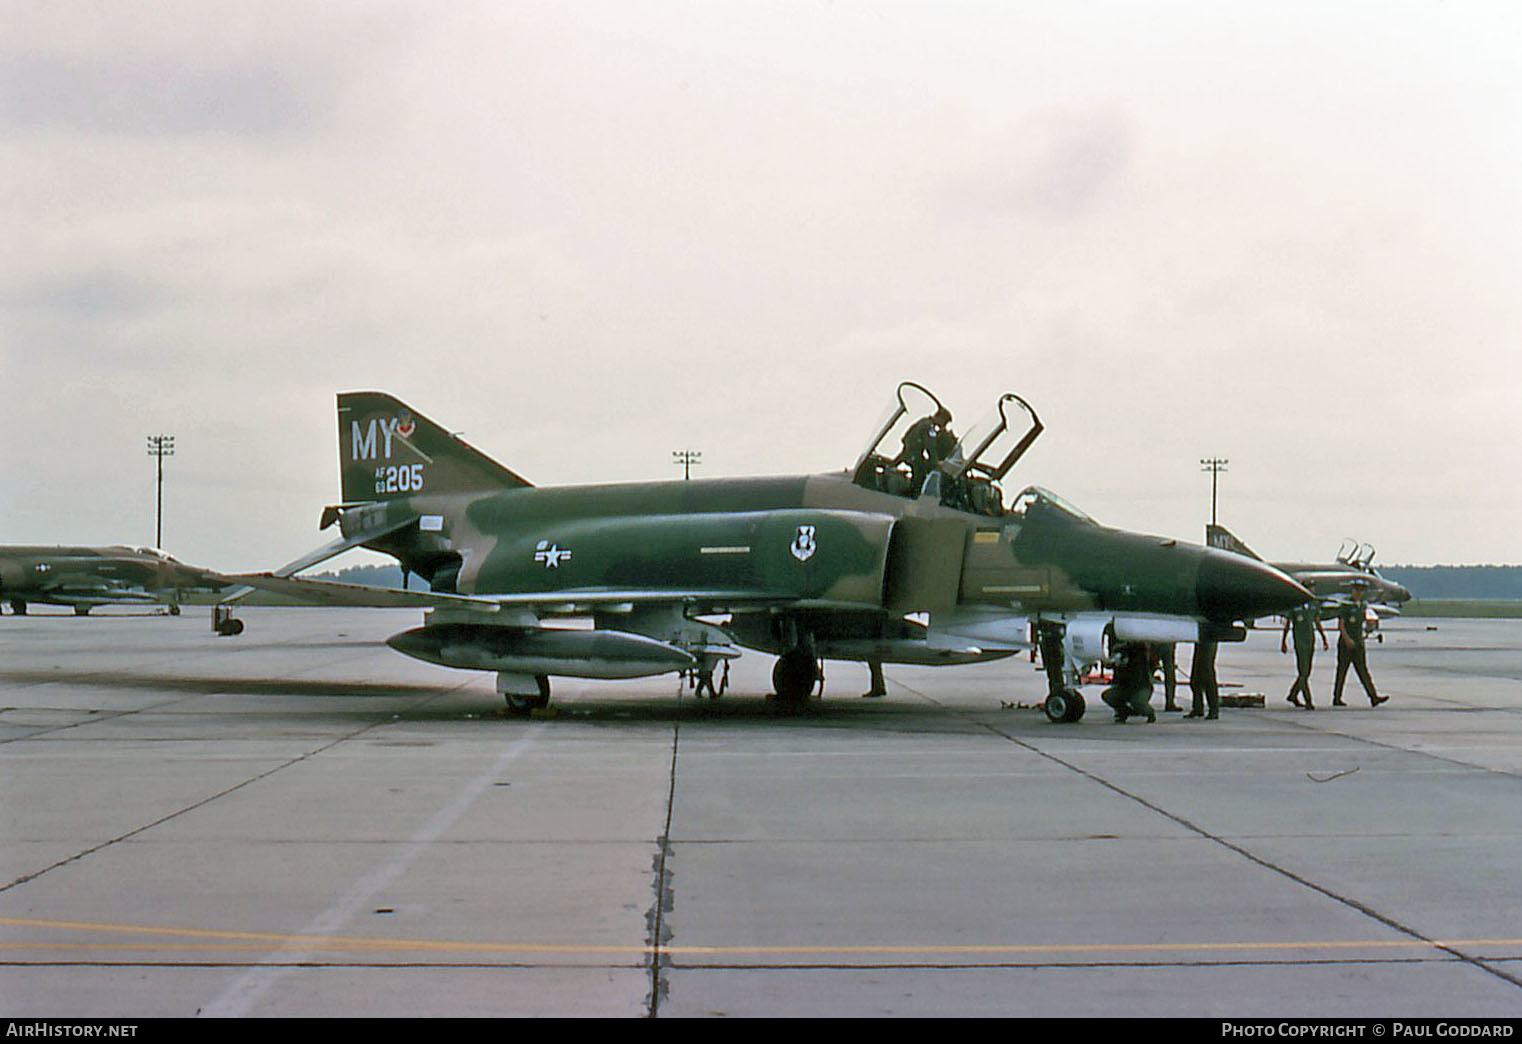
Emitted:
<point x="1167" y="655"/>
<point x="1202" y="682"/>
<point x="926" y="444"/>
<point x="1131" y="692"/>
<point x="1351" y="652"/>
<point x="1302" y="624"/>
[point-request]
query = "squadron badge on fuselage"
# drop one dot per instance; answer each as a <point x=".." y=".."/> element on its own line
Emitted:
<point x="803" y="544"/>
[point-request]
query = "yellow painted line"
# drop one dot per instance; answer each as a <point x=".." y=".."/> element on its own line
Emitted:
<point x="348" y="943"/>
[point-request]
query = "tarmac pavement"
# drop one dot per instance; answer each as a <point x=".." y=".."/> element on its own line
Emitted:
<point x="299" y="821"/>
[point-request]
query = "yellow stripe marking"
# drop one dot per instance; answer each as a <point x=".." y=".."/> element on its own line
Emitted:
<point x="349" y="943"/>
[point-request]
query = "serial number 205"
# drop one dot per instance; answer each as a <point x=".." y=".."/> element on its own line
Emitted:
<point x="405" y="479"/>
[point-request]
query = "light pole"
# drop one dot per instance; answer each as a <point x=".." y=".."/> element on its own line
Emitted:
<point x="160" y="446"/>
<point x="1214" y="465"/>
<point x="686" y="458"/>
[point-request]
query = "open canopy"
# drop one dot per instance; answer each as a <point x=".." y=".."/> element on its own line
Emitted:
<point x="914" y="452"/>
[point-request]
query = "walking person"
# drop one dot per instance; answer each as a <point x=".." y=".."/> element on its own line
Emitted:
<point x="1351" y="651"/>
<point x="1304" y="623"/>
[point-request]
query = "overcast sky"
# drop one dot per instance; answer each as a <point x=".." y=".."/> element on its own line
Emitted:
<point x="586" y="234"/>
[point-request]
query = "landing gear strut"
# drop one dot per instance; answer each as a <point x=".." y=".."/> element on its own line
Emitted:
<point x="224" y="622"/>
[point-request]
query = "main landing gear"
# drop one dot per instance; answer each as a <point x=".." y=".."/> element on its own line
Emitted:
<point x="524" y="693"/>
<point x="224" y="622"/>
<point x="795" y="675"/>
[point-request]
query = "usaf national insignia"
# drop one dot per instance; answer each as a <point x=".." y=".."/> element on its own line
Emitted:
<point x="550" y="554"/>
<point x="803" y="544"/>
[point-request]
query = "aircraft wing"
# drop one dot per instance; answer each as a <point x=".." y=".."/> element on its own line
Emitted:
<point x="96" y="594"/>
<point x="1330" y="607"/>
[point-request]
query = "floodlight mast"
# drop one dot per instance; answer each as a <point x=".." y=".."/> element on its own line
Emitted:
<point x="160" y="446"/>
<point x="1214" y="465"/>
<point x="686" y="458"/>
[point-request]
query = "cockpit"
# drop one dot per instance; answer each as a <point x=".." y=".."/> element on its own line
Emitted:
<point x="1035" y="499"/>
<point x="1359" y="556"/>
<point x="915" y="452"/>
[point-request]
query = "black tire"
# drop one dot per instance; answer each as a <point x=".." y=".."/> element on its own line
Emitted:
<point x="794" y="676"/>
<point x="1064" y="707"/>
<point x="519" y="704"/>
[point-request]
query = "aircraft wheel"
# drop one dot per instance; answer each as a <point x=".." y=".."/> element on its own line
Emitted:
<point x="81" y="610"/>
<point x="1065" y="706"/>
<point x="229" y="627"/>
<point x="794" y="676"/>
<point x="518" y="703"/>
<point x="18" y="607"/>
<point x="174" y="610"/>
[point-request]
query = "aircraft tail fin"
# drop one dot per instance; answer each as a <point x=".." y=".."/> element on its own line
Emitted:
<point x="1226" y="540"/>
<point x="387" y="450"/>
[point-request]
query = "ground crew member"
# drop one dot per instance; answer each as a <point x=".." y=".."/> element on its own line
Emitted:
<point x="1167" y="655"/>
<point x="879" y="687"/>
<point x="1350" y="649"/>
<point x="1202" y="682"/>
<point x="1131" y="690"/>
<point x="1305" y="623"/>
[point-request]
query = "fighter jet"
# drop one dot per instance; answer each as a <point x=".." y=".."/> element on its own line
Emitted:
<point x="1331" y="582"/>
<point x="85" y="577"/>
<point x="863" y="564"/>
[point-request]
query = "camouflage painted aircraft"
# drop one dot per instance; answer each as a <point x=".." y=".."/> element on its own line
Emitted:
<point x="677" y="576"/>
<point x="1331" y="582"/>
<point x="85" y="577"/>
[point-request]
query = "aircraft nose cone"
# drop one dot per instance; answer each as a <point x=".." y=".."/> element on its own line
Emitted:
<point x="1233" y="587"/>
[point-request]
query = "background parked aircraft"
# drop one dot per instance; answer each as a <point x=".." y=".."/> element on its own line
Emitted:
<point x="85" y="577"/>
<point x="1332" y="582"/>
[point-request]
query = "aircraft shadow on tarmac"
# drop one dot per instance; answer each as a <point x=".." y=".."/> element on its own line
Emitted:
<point x="203" y="685"/>
<point x="445" y="704"/>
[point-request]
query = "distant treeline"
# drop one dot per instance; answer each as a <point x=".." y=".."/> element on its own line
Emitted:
<point x="374" y="576"/>
<point x="1480" y="581"/>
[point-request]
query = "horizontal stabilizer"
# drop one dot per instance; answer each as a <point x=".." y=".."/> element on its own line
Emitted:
<point x="329" y="550"/>
<point x="328" y="592"/>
